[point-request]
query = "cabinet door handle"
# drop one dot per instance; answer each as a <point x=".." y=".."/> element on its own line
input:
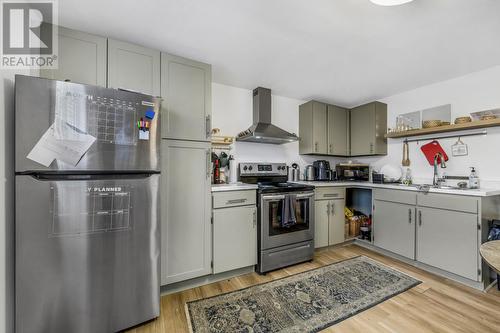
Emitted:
<point x="209" y="163"/>
<point x="330" y="195"/>
<point x="330" y="149"/>
<point x="419" y="217"/>
<point x="254" y="218"/>
<point x="208" y="126"/>
<point x="332" y="210"/>
<point x="328" y="209"/>
<point x="371" y="147"/>
<point x="315" y="147"/>
<point x="409" y="215"/>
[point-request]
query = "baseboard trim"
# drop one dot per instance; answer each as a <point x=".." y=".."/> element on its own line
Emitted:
<point x="203" y="280"/>
<point x="470" y="283"/>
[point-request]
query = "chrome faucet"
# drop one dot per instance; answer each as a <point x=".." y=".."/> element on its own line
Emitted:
<point x="436" y="181"/>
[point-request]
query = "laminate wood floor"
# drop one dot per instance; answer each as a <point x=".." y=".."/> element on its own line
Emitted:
<point x="436" y="305"/>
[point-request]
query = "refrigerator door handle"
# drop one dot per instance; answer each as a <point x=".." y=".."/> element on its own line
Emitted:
<point x="62" y="176"/>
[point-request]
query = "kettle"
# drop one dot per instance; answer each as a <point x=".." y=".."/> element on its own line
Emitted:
<point x="294" y="173"/>
<point x="309" y="173"/>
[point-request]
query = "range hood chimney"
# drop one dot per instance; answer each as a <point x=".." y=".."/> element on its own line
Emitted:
<point x="262" y="131"/>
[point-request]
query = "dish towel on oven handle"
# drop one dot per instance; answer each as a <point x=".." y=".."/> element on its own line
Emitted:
<point x="288" y="214"/>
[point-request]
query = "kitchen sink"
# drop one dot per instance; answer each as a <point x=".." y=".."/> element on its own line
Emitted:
<point x="426" y="187"/>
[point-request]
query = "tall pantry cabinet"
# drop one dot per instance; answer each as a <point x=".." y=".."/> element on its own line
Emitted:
<point x="186" y="169"/>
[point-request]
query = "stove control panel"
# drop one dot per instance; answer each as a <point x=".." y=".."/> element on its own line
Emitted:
<point x="263" y="169"/>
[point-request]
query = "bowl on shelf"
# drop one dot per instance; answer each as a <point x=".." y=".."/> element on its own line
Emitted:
<point x="463" y="120"/>
<point x="489" y="117"/>
<point x="431" y="123"/>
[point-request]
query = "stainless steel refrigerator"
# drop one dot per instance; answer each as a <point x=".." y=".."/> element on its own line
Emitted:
<point x="87" y="163"/>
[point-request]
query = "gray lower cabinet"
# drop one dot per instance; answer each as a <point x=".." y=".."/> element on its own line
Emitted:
<point x="368" y="127"/>
<point x="186" y="231"/>
<point x="81" y="58"/>
<point x="338" y="131"/>
<point x="439" y="230"/>
<point x="187" y="107"/>
<point x="313" y="128"/>
<point x="329" y="217"/>
<point x="321" y="216"/>
<point x="394" y="227"/>
<point x="133" y="67"/>
<point x="336" y="222"/>
<point x="234" y="238"/>
<point x="448" y="240"/>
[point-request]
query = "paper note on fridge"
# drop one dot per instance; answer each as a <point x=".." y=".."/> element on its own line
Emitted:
<point x="62" y="142"/>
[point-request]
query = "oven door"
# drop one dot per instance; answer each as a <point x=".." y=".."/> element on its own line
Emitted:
<point x="275" y="230"/>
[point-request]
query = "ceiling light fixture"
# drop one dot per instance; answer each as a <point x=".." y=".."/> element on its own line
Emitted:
<point x="390" y="2"/>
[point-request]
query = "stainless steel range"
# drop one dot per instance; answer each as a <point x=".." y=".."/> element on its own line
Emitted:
<point x="286" y="216"/>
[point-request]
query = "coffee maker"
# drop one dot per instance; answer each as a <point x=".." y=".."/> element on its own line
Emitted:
<point x="322" y="170"/>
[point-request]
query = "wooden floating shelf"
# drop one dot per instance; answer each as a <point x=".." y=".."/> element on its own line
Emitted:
<point x="447" y="128"/>
<point x="222" y="140"/>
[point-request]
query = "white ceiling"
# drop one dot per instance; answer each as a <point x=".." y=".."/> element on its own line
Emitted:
<point x="341" y="51"/>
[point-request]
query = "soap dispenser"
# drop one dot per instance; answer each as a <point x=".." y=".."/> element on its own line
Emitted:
<point x="473" y="178"/>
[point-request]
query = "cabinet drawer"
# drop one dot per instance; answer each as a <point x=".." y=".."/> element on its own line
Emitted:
<point x="329" y="193"/>
<point x="233" y="198"/>
<point x="399" y="196"/>
<point x="451" y="202"/>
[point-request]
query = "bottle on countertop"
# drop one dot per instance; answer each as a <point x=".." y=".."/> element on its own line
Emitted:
<point x="473" y="178"/>
<point x="407" y="179"/>
<point x="216" y="172"/>
<point x="233" y="170"/>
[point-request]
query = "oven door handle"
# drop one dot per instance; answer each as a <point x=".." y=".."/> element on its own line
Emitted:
<point x="273" y="197"/>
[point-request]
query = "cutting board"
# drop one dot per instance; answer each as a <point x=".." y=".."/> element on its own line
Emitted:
<point x="431" y="149"/>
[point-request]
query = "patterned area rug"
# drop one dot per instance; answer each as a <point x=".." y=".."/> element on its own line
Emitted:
<point x="305" y="302"/>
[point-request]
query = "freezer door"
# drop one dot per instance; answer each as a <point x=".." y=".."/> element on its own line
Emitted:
<point x="108" y="115"/>
<point x="87" y="254"/>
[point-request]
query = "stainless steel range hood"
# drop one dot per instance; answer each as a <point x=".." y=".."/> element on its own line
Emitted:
<point x="262" y="131"/>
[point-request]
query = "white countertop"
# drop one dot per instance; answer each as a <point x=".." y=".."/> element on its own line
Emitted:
<point x="482" y="192"/>
<point x="233" y="187"/>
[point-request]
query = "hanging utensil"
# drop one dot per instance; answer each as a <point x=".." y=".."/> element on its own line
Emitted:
<point x="459" y="148"/>
<point x="406" y="154"/>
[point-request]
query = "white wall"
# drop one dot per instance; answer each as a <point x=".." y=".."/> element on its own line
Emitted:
<point x="232" y="112"/>
<point x="474" y="92"/>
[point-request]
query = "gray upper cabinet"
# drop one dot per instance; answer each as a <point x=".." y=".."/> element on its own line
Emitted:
<point x="187" y="107"/>
<point x="81" y="57"/>
<point x="338" y="131"/>
<point x="368" y="127"/>
<point x="133" y="67"/>
<point x="313" y="128"/>
<point x="332" y="130"/>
